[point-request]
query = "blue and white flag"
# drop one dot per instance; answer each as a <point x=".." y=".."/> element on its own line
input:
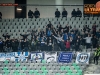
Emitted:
<point x="10" y="56"/>
<point x="21" y="56"/>
<point x="7" y="56"/>
<point x="2" y="56"/>
<point x="83" y="58"/>
<point x="37" y="56"/>
<point x="65" y="57"/>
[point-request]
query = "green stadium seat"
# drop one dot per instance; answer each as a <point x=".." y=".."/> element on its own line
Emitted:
<point x="76" y="67"/>
<point x="5" y="68"/>
<point x="67" y="68"/>
<point x="31" y="71"/>
<point x="17" y="64"/>
<point x="37" y="74"/>
<point x="69" y="71"/>
<point x="16" y="71"/>
<point x="74" y="64"/>
<point x="35" y="71"/>
<point x="43" y="68"/>
<point x="5" y="74"/>
<point x="62" y="68"/>
<point x="43" y="61"/>
<point x="6" y="62"/>
<point x="6" y="71"/>
<point x="24" y="68"/>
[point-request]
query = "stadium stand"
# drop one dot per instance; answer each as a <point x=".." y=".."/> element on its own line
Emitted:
<point x="16" y="27"/>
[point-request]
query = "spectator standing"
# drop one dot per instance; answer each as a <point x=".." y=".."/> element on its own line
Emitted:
<point x="68" y="45"/>
<point x="0" y="15"/>
<point x="73" y="13"/>
<point x="36" y="13"/>
<point x="97" y="55"/>
<point x="77" y="44"/>
<point x="88" y="41"/>
<point x="57" y="13"/>
<point x="79" y="13"/>
<point x="94" y="41"/>
<point x="49" y="25"/>
<point x="94" y="29"/>
<point x="30" y="14"/>
<point x="24" y="35"/>
<point x="1" y="45"/>
<point x="7" y="36"/>
<point x="26" y="45"/>
<point x="8" y="45"/>
<point x="64" y="13"/>
<point x="98" y="34"/>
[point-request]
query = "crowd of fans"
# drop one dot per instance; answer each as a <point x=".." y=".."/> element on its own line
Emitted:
<point x="67" y="38"/>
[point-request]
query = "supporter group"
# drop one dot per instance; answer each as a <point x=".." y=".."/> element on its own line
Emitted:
<point x="66" y="38"/>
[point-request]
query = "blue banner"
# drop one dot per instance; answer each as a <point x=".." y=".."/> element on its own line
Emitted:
<point x="65" y="57"/>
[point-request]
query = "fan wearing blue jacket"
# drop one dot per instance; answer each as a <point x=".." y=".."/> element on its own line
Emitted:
<point x="65" y="36"/>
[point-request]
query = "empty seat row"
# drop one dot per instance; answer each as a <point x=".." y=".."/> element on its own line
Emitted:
<point x="50" y="19"/>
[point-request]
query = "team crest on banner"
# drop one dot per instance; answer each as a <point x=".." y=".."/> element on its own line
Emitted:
<point x="21" y="56"/>
<point x="38" y="56"/>
<point x="83" y="58"/>
<point x="50" y="57"/>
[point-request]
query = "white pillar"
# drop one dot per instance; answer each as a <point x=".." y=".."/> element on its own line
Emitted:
<point x="59" y="2"/>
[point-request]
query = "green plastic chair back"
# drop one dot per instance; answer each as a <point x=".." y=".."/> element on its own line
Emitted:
<point x="77" y="74"/>
<point x="5" y="74"/>
<point x="16" y="74"/>
<point x="16" y="71"/>
<point x="6" y="71"/>
<point x="23" y="74"/>
<point x="5" y="68"/>
<point x="6" y="62"/>
<point x="79" y="71"/>
<point x="31" y="71"/>
<point x="24" y="68"/>
<point x="67" y="68"/>
<point x="77" y="67"/>
<point x="69" y="71"/>
<point x="43" y="61"/>
<point x="67" y="74"/>
<point x="17" y="64"/>
<point x="37" y="74"/>
<point x="74" y="64"/>
<point x="35" y="71"/>
<point x="43" y="68"/>
<point x="62" y="68"/>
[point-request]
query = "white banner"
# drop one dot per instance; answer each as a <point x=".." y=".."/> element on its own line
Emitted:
<point x="38" y="56"/>
<point x="50" y="57"/>
<point x="7" y="56"/>
<point x="83" y="58"/>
